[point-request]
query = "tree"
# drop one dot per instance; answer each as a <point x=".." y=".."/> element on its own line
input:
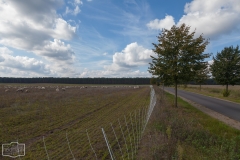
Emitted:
<point x="226" y="67"/>
<point x="153" y="81"/>
<point x="178" y="56"/>
<point x="202" y="75"/>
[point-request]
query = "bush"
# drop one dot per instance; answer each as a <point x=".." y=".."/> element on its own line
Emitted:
<point x="226" y="93"/>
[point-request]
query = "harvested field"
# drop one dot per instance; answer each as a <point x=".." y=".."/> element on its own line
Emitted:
<point x="64" y="116"/>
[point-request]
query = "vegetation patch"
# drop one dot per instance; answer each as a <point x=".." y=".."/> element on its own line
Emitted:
<point x="66" y="118"/>
<point x="217" y="91"/>
<point x="184" y="132"/>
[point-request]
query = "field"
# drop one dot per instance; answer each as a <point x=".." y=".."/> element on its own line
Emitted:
<point x="216" y="91"/>
<point x="60" y="124"/>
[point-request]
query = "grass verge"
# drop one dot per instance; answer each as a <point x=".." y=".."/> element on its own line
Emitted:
<point x="215" y="92"/>
<point x="186" y="133"/>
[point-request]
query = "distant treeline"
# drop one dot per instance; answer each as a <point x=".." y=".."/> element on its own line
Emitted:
<point x="66" y="80"/>
<point x="208" y="82"/>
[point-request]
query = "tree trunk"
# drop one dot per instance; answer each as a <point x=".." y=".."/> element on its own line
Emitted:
<point x="175" y="93"/>
<point x="162" y="89"/>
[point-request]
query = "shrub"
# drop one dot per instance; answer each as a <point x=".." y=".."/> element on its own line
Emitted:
<point x="226" y="93"/>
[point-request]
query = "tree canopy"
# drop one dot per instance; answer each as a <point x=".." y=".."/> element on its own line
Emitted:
<point x="179" y="56"/>
<point x="226" y="66"/>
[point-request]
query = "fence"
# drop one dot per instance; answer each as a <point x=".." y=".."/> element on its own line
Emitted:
<point x="117" y="140"/>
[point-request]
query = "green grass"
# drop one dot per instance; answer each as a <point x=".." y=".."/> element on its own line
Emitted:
<point x="215" y="91"/>
<point x="213" y="125"/>
<point x="187" y="133"/>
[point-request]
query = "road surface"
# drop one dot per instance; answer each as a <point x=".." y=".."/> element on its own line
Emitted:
<point x="229" y="109"/>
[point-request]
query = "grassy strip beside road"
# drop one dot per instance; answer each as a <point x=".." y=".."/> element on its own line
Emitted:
<point x="215" y="91"/>
<point x="187" y="133"/>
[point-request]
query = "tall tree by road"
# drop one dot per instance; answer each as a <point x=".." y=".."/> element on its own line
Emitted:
<point x="202" y="75"/>
<point x="226" y="67"/>
<point x="178" y="56"/>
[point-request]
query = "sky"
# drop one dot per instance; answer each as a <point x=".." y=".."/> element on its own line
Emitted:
<point x="103" y="38"/>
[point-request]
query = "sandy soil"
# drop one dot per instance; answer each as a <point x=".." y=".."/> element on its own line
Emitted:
<point x="220" y="117"/>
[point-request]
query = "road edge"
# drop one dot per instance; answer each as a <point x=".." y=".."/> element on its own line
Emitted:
<point x="230" y="122"/>
<point x="211" y="97"/>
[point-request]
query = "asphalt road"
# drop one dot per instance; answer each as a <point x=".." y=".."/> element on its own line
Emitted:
<point x="229" y="109"/>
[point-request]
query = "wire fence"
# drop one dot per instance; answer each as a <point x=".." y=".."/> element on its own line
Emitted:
<point x="117" y="140"/>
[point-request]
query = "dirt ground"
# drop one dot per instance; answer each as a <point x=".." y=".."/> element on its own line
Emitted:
<point x="220" y="117"/>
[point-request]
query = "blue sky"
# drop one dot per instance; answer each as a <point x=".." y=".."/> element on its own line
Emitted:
<point x="107" y="38"/>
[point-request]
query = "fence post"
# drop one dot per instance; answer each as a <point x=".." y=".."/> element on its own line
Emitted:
<point x="45" y="148"/>
<point x="69" y="146"/>
<point x="133" y="133"/>
<point x="91" y="145"/>
<point x="129" y="135"/>
<point x="123" y="137"/>
<point x="109" y="148"/>
<point x="117" y="140"/>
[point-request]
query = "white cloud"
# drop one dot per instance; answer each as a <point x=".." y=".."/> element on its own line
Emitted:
<point x="130" y="58"/>
<point x="126" y="63"/>
<point x="36" y="27"/>
<point x="108" y="73"/>
<point x="210" y="62"/>
<point x="62" y="30"/>
<point x="133" y="55"/>
<point x="76" y="9"/>
<point x="212" y="18"/>
<point x="56" y="50"/>
<point x="166" y="23"/>
<point x="77" y="2"/>
<point x="22" y="64"/>
<point x="26" y="31"/>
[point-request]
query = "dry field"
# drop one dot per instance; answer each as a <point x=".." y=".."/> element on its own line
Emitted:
<point x="66" y="118"/>
<point x="235" y="87"/>
<point x="216" y="91"/>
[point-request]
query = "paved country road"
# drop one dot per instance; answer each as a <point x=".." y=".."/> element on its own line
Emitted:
<point x="229" y="109"/>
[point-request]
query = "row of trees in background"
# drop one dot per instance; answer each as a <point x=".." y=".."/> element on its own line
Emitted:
<point x="66" y="80"/>
<point x="179" y="59"/>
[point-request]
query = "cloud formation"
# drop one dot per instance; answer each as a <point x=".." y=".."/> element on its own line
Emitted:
<point x="36" y="27"/>
<point x="74" y="5"/>
<point x="212" y="18"/>
<point x="166" y="23"/>
<point x="133" y="55"/>
<point x="33" y="25"/>
<point x="22" y="64"/>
